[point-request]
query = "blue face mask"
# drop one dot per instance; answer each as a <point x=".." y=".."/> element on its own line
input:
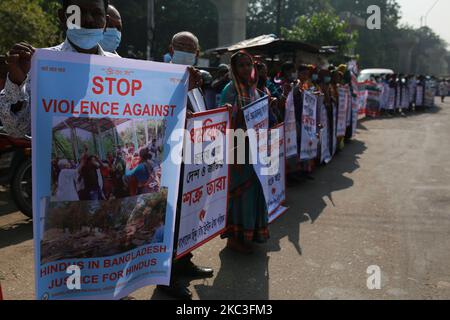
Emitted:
<point x="111" y="39"/>
<point x="315" y="77"/>
<point x="85" y="38"/>
<point x="184" y="58"/>
<point x="327" y="79"/>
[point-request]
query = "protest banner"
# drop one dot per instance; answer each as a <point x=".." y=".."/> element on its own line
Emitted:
<point x="412" y="91"/>
<point x="342" y="111"/>
<point x="349" y="110"/>
<point x="384" y="96"/>
<point x="362" y="100"/>
<point x="290" y="128"/>
<point x="392" y="98"/>
<point x="204" y="200"/>
<point x="419" y="96"/>
<point x="309" y="140"/>
<point x="354" y="99"/>
<point x="398" y="97"/>
<point x="276" y="179"/>
<point x="325" y="154"/>
<point x="405" y="98"/>
<point x="373" y="101"/>
<point x="334" y="137"/>
<point x="429" y="94"/>
<point x="267" y="155"/>
<point x="105" y="187"/>
<point x="362" y="104"/>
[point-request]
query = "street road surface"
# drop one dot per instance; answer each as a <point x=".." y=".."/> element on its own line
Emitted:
<point x="384" y="201"/>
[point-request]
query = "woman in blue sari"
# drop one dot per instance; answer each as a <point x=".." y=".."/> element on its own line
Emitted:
<point x="247" y="210"/>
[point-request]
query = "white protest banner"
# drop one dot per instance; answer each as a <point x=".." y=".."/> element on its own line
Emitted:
<point x="398" y="97"/>
<point x="334" y="133"/>
<point x="290" y="127"/>
<point x="256" y="116"/>
<point x="342" y="111"/>
<point x="354" y="114"/>
<point x="95" y="115"/>
<point x="349" y="110"/>
<point x="361" y="100"/>
<point x="429" y="94"/>
<point x="373" y="101"/>
<point x="309" y="143"/>
<point x="405" y="97"/>
<point x="362" y="103"/>
<point x="384" y="100"/>
<point x="205" y="180"/>
<point x="412" y="90"/>
<point x="391" y="100"/>
<point x="419" y="96"/>
<point x="276" y="180"/>
<point x="325" y="155"/>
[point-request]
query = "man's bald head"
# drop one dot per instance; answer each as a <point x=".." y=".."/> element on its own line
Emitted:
<point x="185" y="41"/>
<point x="115" y="19"/>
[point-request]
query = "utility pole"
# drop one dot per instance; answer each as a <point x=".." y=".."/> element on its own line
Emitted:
<point x="424" y="19"/>
<point x="279" y="13"/>
<point x="150" y="27"/>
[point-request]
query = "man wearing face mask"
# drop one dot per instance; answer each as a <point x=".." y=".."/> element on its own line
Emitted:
<point x="184" y="50"/>
<point x="15" y="97"/>
<point x="113" y="33"/>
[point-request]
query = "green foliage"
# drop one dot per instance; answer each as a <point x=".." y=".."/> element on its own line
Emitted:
<point x="375" y="47"/>
<point x="313" y="21"/>
<point x="322" y="29"/>
<point x="62" y="147"/>
<point x="25" y="20"/>
<point x="427" y="43"/>
<point x="171" y="16"/>
<point x="262" y="14"/>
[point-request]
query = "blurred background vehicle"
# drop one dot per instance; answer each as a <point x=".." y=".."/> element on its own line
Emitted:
<point x="15" y="170"/>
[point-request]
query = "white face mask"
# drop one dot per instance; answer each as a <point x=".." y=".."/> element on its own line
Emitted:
<point x="184" y="58"/>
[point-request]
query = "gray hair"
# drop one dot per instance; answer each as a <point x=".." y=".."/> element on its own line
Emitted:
<point x="188" y="35"/>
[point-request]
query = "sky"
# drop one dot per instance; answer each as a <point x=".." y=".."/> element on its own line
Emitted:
<point x="438" y="19"/>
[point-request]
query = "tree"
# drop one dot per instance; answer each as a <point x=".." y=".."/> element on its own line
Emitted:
<point x="424" y="53"/>
<point x="322" y="29"/>
<point x="171" y="16"/>
<point x="374" y="46"/>
<point x="25" y="20"/>
<point x="262" y="14"/>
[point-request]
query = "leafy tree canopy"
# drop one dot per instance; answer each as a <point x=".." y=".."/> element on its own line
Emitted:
<point x="26" y="20"/>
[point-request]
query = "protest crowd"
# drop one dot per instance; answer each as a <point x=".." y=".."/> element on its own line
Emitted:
<point x="319" y="105"/>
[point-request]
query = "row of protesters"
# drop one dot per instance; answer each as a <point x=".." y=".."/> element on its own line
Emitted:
<point x="95" y="36"/>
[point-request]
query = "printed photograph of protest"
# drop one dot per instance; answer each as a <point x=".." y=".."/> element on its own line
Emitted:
<point x="104" y="159"/>
<point x="88" y="229"/>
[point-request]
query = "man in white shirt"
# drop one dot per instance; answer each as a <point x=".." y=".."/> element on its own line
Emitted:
<point x="15" y="97"/>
